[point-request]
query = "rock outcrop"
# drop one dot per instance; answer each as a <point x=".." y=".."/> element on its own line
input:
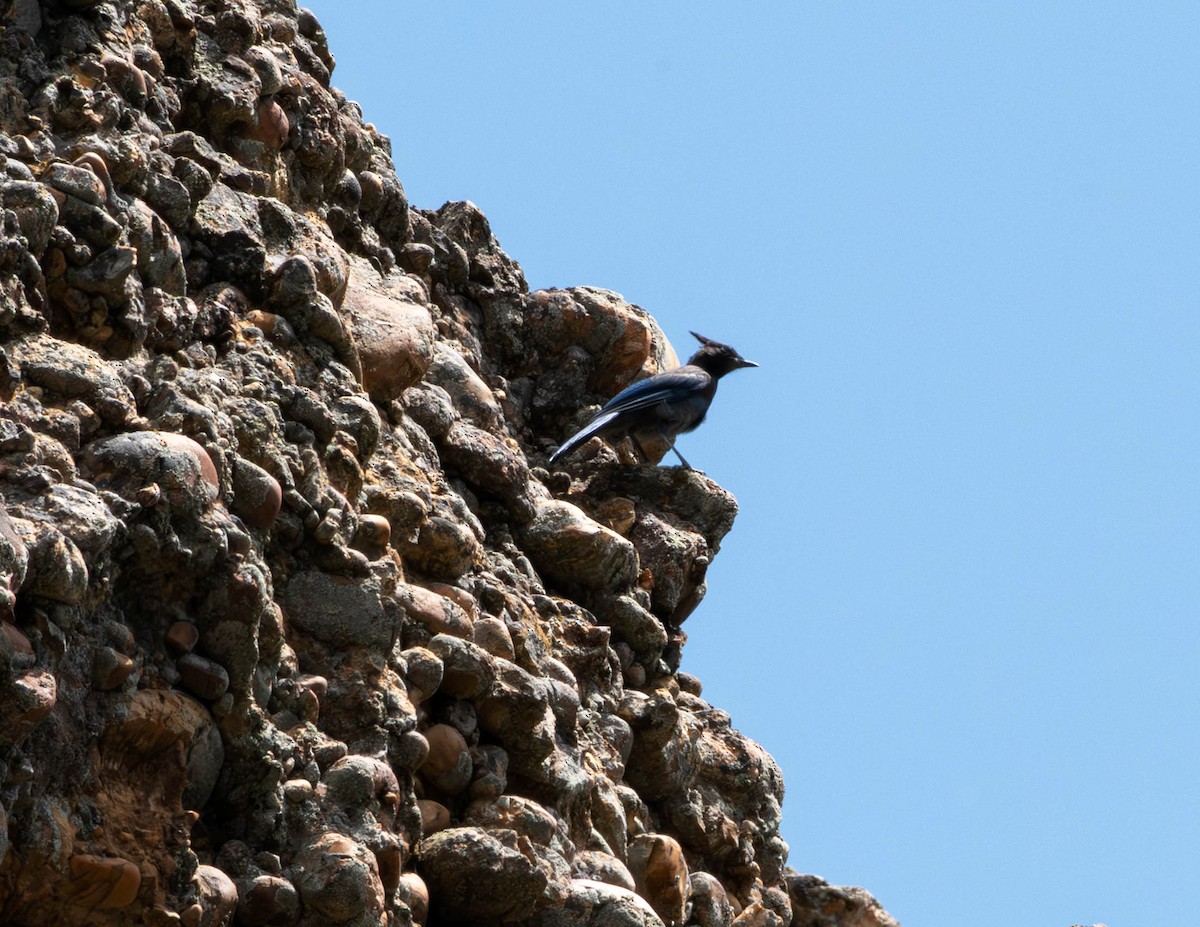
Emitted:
<point x="296" y="628"/>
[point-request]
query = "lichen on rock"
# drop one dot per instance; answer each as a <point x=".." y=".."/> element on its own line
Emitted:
<point x="296" y="627"/>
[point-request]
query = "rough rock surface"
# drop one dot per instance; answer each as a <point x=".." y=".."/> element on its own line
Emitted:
<point x="296" y="628"/>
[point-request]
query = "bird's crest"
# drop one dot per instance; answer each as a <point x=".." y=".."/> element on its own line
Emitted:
<point x="718" y="358"/>
<point x="708" y="341"/>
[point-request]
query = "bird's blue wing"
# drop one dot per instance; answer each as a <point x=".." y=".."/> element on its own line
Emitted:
<point x="676" y="386"/>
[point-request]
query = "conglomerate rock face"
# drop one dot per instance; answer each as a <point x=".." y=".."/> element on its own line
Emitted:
<point x="296" y="628"/>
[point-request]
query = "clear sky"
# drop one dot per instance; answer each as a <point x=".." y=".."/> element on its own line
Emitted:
<point x="961" y="604"/>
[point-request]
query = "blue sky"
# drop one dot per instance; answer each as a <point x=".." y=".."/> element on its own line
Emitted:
<point x="960" y="604"/>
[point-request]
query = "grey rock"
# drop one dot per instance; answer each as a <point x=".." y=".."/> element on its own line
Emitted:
<point x="105" y="275"/>
<point x="816" y="903"/>
<point x="571" y="548"/>
<point x="26" y="16"/>
<point x="36" y="211"/>
<point x="266" y="66"/>
<point x="91" y="223"/>
<point x="171" y="199"/>
<point x="339" y="611"/>
<point x="77" y="181"/>
<point x="56" y="568"/>
<point x="179" y="467"/>
<point x="592" y="903"/>
<point x="479" y="876"/>
<point x="467" y="669"/>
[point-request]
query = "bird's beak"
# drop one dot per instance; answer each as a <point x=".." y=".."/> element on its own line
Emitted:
<point x="742" y="362"/>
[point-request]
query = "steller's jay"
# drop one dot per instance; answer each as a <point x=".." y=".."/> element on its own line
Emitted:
<point x="664" y="405"/>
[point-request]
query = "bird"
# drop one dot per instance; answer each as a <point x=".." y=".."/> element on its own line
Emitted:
<point x="664" y="405"/>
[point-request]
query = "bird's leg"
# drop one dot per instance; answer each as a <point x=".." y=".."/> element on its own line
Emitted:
<point x="671" y="443"/>
<point x="641" y="450"/>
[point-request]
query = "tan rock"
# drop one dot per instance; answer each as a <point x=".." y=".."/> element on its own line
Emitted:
<point x="388" y="320"/>
<point x="57" y="568"/>
<point x="74" y="371"/>
<point x="444" y="548"/>
<point x="184" y="444"/>
<point x="617" y="513"/>
<point x="756" y="914"/>
<point x="491" y="463"/>
<point x="363" y="783"/>
<point x="389" y="857"/>
<point x="448" y="766"/>
<point x="271" y="127"/>
<point x="103" y="882"/>
<point x="677" y="561"/>
<point x="173" y="740"/>
<point x="434" y="816"/>
<point x="623" y="338"/>
<point x="334" y="268"/>
<point x="340" y="610"/>
<point x="298" y="791"/>
<point x="338" y="880"/>
<point x="373" y="530"/>
<point x="218" y="896"/>
<point x="275" y="327"/>
<point x="423" y="673"/>
<point x="516" y="711"/>
<point x="14" y="562"/>
<point x="436" y="613"/>
<point x="15" y="645"/>
<point x="36" y="209"/>
<point x="492" y="635"/>
<point x="689" y="683"/>
<point x="638" y="634"/>
<point x="179" y="465"/>
<point x="490" y="776"/>
<point x="661" y="874"/>
<point x="416" y="895"/>
<point x="78" y="181"/>
<point x="470" y="396"/>
<point x="159" y="256"/>
<point x="459" y="596"/>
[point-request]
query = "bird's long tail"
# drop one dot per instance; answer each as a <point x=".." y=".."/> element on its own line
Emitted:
<point x="594" y="427"/>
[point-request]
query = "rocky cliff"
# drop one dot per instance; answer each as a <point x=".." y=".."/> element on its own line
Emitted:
<point x="297" y="626"/>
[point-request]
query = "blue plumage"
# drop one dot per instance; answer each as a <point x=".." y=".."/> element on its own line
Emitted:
<point x="665" y="405"/>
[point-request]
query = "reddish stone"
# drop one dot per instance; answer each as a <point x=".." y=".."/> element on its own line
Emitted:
<point x="181" y="637"/>
<point x="110" y="668"/>
<point x="104" y="882"/>
<point x="203" y="677"/>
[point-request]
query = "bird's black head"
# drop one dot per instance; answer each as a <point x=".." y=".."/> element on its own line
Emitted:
<point x="716" y="358"/>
